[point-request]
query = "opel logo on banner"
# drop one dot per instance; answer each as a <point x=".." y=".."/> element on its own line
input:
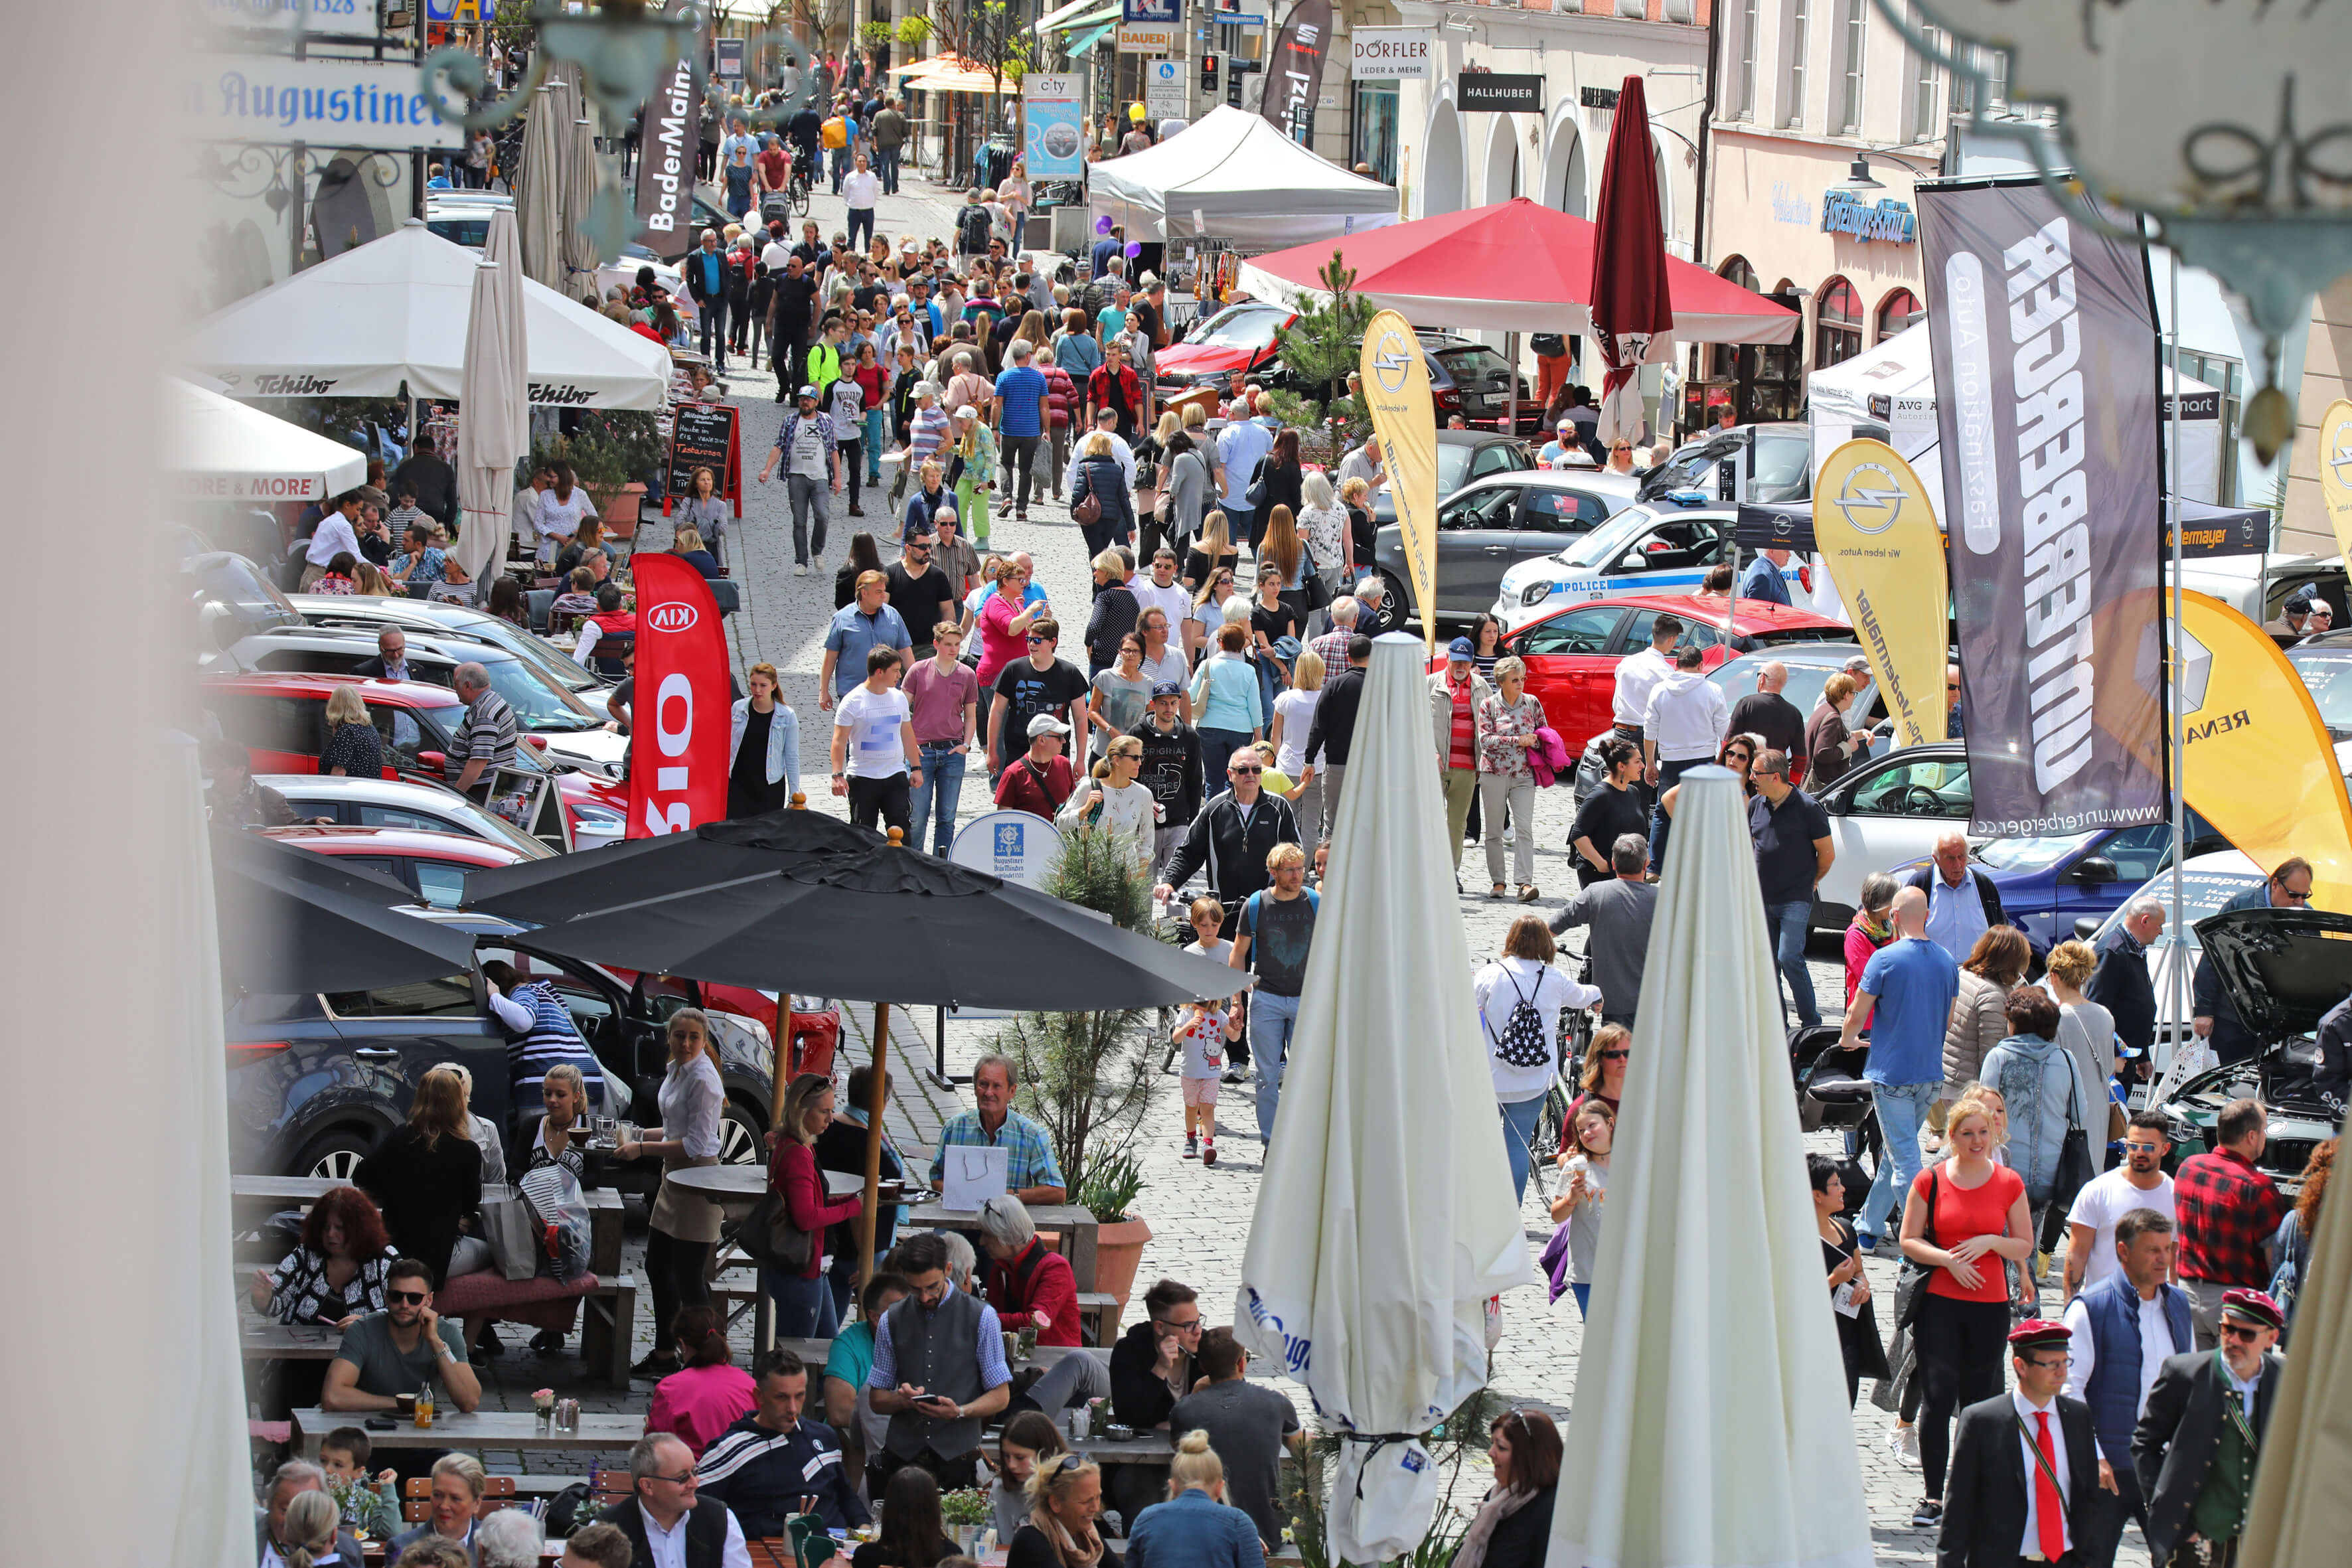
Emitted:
<point x="1871" y="508"/>
<point x="2339" y="453"/>
<point x="1390" y="361"/>
<point x="672" y="617"/>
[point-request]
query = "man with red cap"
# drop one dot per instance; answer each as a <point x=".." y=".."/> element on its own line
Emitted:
<point x="2197" y="1443"/>
<point x="2024" y="1465"/>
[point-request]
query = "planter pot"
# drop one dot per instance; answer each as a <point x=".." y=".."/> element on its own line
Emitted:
<point x="618" y="508"/>
<point x="1118" y="1251"/>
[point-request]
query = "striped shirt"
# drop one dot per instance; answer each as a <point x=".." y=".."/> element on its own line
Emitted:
<point x="927" y="437"/>
<point x="489" y="733"/>
<point x="552" y="1039"/>
<point x="989" y="1351"/>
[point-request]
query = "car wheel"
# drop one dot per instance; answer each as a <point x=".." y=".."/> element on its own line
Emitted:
<point x="335" y="1156"/>
<point x="1393" y="587"/>
<point x="742" y="1141"/>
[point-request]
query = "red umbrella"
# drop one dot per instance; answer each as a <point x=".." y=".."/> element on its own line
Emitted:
<point x="1632" y="304"/>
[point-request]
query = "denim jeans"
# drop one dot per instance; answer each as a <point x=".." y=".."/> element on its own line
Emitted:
<point x="1785" y="927"/>
<point x="861" y="219"/>
<point x="943" y="763"/>
<point x="1902" y="1110"/>
<point x="886" y="167"/>
<point x="1271" y="1021"/>
<point x="875" y="432"/>
<point x="714" y="331"/>
<point x="804" y="1306"/>
<point x="1520" y="1119"/>
<point x="1659" y="823"/>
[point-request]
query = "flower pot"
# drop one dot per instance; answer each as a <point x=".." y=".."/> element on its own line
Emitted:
<point x="618" y="508"/>
<point x="1118" y="1251"/>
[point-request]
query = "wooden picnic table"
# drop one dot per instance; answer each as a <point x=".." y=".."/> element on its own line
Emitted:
<point x="1077" y="1228"/>
<point x="735" y="1188"/>
<point x="518" y="1430"/>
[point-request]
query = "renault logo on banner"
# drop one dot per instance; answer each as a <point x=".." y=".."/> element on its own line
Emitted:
<point x="1872" y="498"/>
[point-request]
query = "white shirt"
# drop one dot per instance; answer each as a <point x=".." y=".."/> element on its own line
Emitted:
<point x="2026" y="1411"/>
<point x="2245" y="1387"/>
<point x="874" y="748"/>
<point x="1637" y="676"/>
<point x="2155" y="1344"/>
<point x="1172" y="600"/>
<point x="1686" y="717"/>
<point x="1129" y="814"/>
<point x="860" y="189"/>
<point x="667" y="1547"/>
<point x="1119" y="449"/>
<point x="1169" y="665"/>
<point x="691" y="1098"/>
<point x="1955" y="916"/>
<point x="1498" y="988"/>
<point x="334" y="535"/>
<point x="2103" y="1200"/>
<point x="776" y="254"/>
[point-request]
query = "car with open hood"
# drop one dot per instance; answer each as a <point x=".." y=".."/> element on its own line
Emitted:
<point x="2282" y="970"/>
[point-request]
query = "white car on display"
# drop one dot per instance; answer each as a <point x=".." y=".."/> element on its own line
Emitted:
<point x="397" y="803"/>
<point x="1654" y="547"/>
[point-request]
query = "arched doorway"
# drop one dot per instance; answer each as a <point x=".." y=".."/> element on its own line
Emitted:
<point x="1564" y="169"/>
<point x="1441" y="180"/>
<point x="1730" y="368"/>
<point x="1898" y="310"/>
<point x="1499" y="179"/>
<point x="1778" y="391"/>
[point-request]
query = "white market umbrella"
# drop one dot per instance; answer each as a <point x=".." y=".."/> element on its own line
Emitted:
<point x="1385" y="1218"/>
<point x="578" y="191"/>
<point x="493" y="410"/>
<point x="217" y="449"/>
<point x="393" y="312"/>
<point x="539" y="182"/>
<point x="1710" y="1428"/>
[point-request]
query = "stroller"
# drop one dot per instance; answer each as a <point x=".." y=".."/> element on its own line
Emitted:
<point x="1831" y="1092"/>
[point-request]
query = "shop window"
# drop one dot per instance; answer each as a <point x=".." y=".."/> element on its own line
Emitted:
<point x="1799" y="40"/>
<point x="2230" y="377"/>
<point x="1375" y="138"/>
<point x="1837" y="329"/>
<point x="1897" y="312"/>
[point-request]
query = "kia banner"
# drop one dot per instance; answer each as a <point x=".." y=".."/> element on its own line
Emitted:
<point x="2043" y="339"/>
<point x="684" y="701"/>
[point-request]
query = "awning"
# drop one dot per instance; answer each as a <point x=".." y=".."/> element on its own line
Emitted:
<point x="1235" y="177"/>
<point x="950" y="73"/>
<point x="1091" y="40"/>
<point x="213" y="447"/>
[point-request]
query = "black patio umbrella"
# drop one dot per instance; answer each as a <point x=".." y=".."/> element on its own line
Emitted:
<point x="293" y="922"/>
<point x="542" y="892"/>
<point x="890" y="925"/>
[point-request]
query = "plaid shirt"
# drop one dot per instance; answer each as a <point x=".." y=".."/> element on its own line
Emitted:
<point x="1029" y="1162"/>
<point x="2226" y="1209"/>
<point x="1331" y="647"/>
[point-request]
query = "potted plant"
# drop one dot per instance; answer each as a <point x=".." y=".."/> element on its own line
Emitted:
<point x="1087" y="1077"/>
<point x="611" y="454"/>
<point x="966" y="1513"/>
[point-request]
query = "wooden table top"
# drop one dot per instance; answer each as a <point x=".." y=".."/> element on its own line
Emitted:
<point x="513" y="1429"/>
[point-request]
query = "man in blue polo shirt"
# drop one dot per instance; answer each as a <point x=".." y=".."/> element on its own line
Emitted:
<point x="865" y="624"/>
<point x="1905" y="999"/>
<point x="1019" y="414"/>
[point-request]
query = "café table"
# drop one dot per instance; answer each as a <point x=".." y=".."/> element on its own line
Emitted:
<point x="254" y="1198"/>
<point x="267" y="1339"/>
<point x="518" y="1430"/>
<point x="735" y="1188"/>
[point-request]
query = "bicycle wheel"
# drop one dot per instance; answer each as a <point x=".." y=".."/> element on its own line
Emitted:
<point x="800" y="198"/>
<point x="1546" y="1143"/>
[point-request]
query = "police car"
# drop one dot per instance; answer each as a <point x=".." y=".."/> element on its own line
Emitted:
<point x="1653" y="547"/>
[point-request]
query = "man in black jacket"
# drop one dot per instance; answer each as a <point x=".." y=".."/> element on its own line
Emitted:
<point x="1172" y="767"/>
<point x="1230" y="838"/>
<point x="432" y="482"/>
<point x="2024" y="1466"/>
<point x="771" y="1458"/>
<point x="1333" y="729"/>
<point x="2197" y="1440"/>
<point x="2213" y="1016"/>
<point x="706" y="280"/>
<point x="1764" y="711"/>
<point x="661" y="1469"/>
<point x="2121" y="983"/>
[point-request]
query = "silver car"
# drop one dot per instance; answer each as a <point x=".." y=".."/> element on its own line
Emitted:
<point x="397" y="803"/>
<point x="1492" y="524"/>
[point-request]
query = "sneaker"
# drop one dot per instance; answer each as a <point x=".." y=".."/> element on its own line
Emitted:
<point x="1231" y="1075"/>
<point x="800" y="569"/>
<point x="1907" y="1448"/>
<point x="1191" y="1147"/>
<point x="1209" y="1152"/>
<point x="816" y="564"/>
<point x="1927" y="1515"/>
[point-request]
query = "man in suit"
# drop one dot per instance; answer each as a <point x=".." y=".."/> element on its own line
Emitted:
<point x="2025" y="1465"/>
<point x="2126" y="1328"/>
<point x="2197" y="1443"/>
<point x="661" y="1468"/>
<point x="291" y="1479"/>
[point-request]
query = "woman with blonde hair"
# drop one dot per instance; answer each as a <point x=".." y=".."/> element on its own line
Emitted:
<point x="1207" y="618"/>
<point x="685" y="1226"/>
<point x="426" y="1178"/>
<point x="354" y="749"/>
<point x="1214" y="549"/>
<point x="2086" y="1028"/>
<point x="1099" y="479"/>
<point x="1065" y="1501"/>
<point x="313" y="1524"/>
<point x="1196" y="1527"/>
<point x="368" y="582"/>
<point x="1114" y="802"/>
<point x="1294" y="720"/>
<point x="687" y="545"/>
<point x="1151" y="455"/>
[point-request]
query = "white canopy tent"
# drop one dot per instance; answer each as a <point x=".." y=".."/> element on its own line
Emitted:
<point x="394" y="310"/>
<point x="217" y="449"/>
<point x="1233" y="177"/>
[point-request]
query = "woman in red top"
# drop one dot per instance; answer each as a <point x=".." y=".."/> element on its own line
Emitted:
<point x="1981" y="1218"/>
<point x="710" y="1393"/>
<point x="803" y="1301"/>
<point x="1027" y="1285"/>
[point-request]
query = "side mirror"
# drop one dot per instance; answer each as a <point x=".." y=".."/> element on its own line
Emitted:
<point x="1632" y="561"/>
<point x="433" y="762"/>
<point x="2086" y="926"/>
<point x="2093" y="868"/>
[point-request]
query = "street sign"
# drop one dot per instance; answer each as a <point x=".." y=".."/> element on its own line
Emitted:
<point x="1151" y="37"/>
<point x="1164" y="89"/>
<point x="326" y="102"/>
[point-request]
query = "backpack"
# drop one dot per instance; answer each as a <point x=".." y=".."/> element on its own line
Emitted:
<point x="834" y="132"/>
<point x="972" y="227"/>
<point x="1524" y="1043"/>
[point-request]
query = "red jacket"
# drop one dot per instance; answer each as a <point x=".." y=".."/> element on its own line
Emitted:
<point x="1061" y="394"/>
<point x="791" y="1171"/>
<point x="1017" y="788"/>
<point x="1036" y="1281"/>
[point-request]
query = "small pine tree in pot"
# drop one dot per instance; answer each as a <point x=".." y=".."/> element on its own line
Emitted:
<point x="1321" y="349"/>
<point x="1087" y="1077"/>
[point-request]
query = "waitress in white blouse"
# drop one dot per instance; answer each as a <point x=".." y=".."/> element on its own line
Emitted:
<point x="685" y="1230"/>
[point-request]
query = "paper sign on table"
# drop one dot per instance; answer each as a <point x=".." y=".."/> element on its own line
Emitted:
<point x="974" y="1174"/>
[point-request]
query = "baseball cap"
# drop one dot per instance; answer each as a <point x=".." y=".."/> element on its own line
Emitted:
<point x="1046" y="724"/>
<point x="808" y="392"/>
<point x="1460" y="649"/>
<point x="1168" y="688"/>
<point x="967" y="412"/>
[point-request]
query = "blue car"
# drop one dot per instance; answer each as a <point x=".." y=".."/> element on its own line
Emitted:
<point x="2046" y="885"/>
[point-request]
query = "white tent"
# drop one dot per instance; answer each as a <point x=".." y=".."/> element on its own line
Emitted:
<point x="217" y="449"/>
<point x="1233" y="177"/>
<point x="394" y="310"/>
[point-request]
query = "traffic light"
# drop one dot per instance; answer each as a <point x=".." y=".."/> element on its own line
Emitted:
<point x="1209" y="73"/>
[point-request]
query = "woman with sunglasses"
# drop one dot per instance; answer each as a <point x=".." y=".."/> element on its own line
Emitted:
<point x="1207" y="613"/>
<point x="1621" y="456"/>
<point x="1212" y="552"/>
<point x="1738" y="752"/>
<point x="1513" y="1525"/>
<point x="684" y="1231"/>
<point x="1603" y="1078"/>
<point x="1065" y="1501"/>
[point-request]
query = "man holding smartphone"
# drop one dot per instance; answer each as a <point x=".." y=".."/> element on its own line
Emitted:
<point x="939" y="1371"/>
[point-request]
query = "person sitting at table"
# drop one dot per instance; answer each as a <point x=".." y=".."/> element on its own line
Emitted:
<point x="1026" y="1441"/>
<point x="609" y="624"/>
<point x="848" y="1404"/>
<point x="337" y="1273"/>
<point x="694" y="1531"/>
<point x="431" y="1554"/>
<point x="1030" y="1172"/>
<point x="426" y="1176"/>
<point x="509" y="1538"/>
<point x="803" y="1297"/>
<point x="481" y="1132"/>
<point x="372" y="1503"/>
<point x="400" y="1350"/>
<point x="687" y="545"/>
<point x="1065" y="1498"/>
<point x="1196" y="1527"/>
<point x="597" y="1546"/>
<point x="769" y="1465"/>
<point x="453" y="1509"/>
<point x="843" y="1146"/>
<point x="963" y="1262"/>
<point x="590" y="535"/>
<point x="1029" y="1286"/>
<point x="939" y="1369"/>
<point x="914" y="1533"/>
<point x="578" y="598"/>
<point x="1248" y="1423"/>
<point x="709" y="1393"/>
<point x="561" y="1135"/>
<point x="312" y="1530"/>
<point x="338" y="576"/>
<point x="292" y="1481"/>
<point x="1154" y="1364"/>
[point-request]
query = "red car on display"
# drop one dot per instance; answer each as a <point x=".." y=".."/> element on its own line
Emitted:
<point x="281" y="720"/>
<point x="1571" y="655"/>
<point x="1238" y="344"/>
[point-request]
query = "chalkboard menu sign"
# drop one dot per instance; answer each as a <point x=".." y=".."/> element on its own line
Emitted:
<point x="703" y="436"/>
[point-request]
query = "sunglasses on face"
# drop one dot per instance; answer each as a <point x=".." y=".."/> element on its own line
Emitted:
<point x="2139" y="1148"/>
<point x="1614" y="1056"/>
<point x="1245" y="773"/>
<point x="2242" y="1331"/>
<point x="1036" y="641"/>
<point x="406" y="1298"/>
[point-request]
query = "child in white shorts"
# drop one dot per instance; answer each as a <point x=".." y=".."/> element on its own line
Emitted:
<point x="1203" y="1030"/>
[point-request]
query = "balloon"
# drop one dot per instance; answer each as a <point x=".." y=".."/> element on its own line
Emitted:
<point x="1102" y="224"/>
<point x="1134" y="248"/>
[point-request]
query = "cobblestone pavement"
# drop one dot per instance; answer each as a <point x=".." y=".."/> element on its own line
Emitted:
<point x="1190" y="1209"/>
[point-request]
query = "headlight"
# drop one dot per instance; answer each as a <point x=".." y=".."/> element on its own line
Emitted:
<point x="1535" y="594"/>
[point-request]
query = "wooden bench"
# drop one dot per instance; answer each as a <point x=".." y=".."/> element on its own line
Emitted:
<point x="1097" y="1317"/>
<point x="417" y="1496"/>
<point x="605" y="1329"/>
<point x="267" y="1339"/>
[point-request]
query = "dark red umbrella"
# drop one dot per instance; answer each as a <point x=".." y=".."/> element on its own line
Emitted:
<point x="1632" y="306"/>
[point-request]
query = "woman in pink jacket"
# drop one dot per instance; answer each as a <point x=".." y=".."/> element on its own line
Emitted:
<point x="805" y="1305"/>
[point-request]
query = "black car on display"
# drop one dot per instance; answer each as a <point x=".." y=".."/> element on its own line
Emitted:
<point x="2282" y="970"/>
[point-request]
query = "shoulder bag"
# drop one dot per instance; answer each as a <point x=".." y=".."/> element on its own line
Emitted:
<point x="768" y="1238"/>
<point x="1311" y="584"/>
<point x="1087" y="510"/>
<point x="2075" y="1170"/>
<point x="1915" y="1274"/>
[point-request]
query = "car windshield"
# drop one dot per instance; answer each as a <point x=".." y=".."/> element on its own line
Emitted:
<point x="1470" y="365"/>
<point x="1452" y="463"/>
<point x="1803" y="692"/>
<point x="1612" y="539"/>
<point x="2202" y="892"/>
<point x="543" y="655"/>
<point x="2029" y="854"/>
<point x="539" y="705"/>
<point x="1244" y="329"/>
<point x="1782" y="458"/>
<point x="2327" y="676"/>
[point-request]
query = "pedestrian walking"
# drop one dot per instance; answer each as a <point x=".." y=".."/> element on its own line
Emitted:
<point x="1772" y="718"/>
<point x="2197" y="1446"/>
<point x="1227" y="698"/>
<point x="1520" y="998"/>
<point x="1456" y="696"/>
<point x="1204" y="1032"/>
<point x="1850" y="1299"/>
<point x="1872" y="928"/>
<point x="1610" y="812"/>
<point x="2124" y="1328"/>
<point x="2228" y="1208"/>
<point x="2121" y="982"/>
<point x="1617" y="913"/>
<point x="1277" y="924"/>
<point x="1989" y="971"/>
<point x="1574" y="1250"/>
<point x="807" y="446"/>
<point x="1793" y="853"/>
<point x="763" y="770"/>
<point x="1905" y="1000"/>
<point x="1684" y="723"/>
<point x="1509" y="719"/>
<point x="1829" y="747"/>
<point x="876" y="759"/>
<point x="2045" y="1096"/>
<point x="1040" y="782"/>
<point x="2024" y="1474"/>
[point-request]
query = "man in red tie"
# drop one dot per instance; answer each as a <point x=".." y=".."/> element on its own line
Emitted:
<point x="2024" y="1465"/>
